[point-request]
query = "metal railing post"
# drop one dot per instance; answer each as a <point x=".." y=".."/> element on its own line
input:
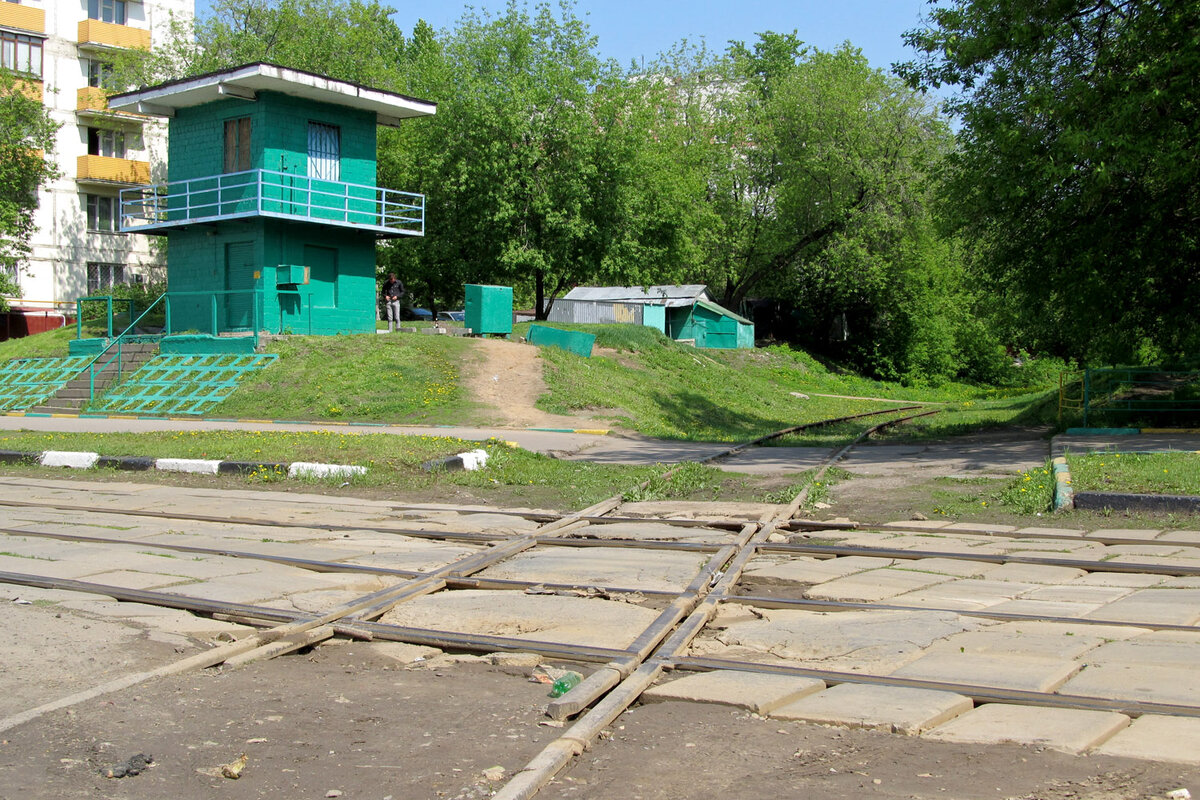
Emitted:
<point x="214" y="313"/>
<point x="1087" y="394"/>
<point x="109" y="305"/>
<point x="167" y="315"/>
<point x="78" y="318"/>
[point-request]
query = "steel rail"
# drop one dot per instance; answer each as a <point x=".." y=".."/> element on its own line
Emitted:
<point x="378" y="630"/>
<point x="763" y="601"/>
<point x="998" y="534"/>
<point x="986" y="558"/>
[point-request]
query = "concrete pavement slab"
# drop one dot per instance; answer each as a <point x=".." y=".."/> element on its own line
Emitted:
<point x="1066" y="730"/>
<point x="1136" y="681"/>
<point x="1044" y="608"/>
<point x="74" y="570"/>
<point x="1125" y="533"/>
<point x="806" y="570"/>
<point x="879" y="584"/>
<point x="758" y="692"/>
<point x="980" y="527"/>
<point x="921" y="525"/>
<point x="1038" y="530"/>
<point x="656" y="531"/>
<point x="571" y="620"/>
<point x="1132" y="580"/>
<point x="968" y="594"/>
<point x="1152" y="737"/>
<point x="875" y="640"/>
<point x="1070" y="629"/>
<point x="1035" y="573"/>
<point x="1169" y="606"/>
<point x="678" y="509"/>
<point x="1192" y="537"/>
<point x="133" y="579"/>
<point x="1147" y="649"/>
<point x="1000" y="670"/>
<point x="959" y="568"/>
<point x="890" y="708"/>
<point x="1133" y="552"/>
<point x="1072" y="593"/>
<point x="629" y="569"/>
<point x="998" y="642"/>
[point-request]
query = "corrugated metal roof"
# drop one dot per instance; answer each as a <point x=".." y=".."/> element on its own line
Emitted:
<point x="672" y="296"/>
<point x="716" y="309"/>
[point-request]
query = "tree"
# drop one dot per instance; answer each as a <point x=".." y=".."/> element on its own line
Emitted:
<point x="26" y="142"/>
<point x="1077" y="171"/>
<point x="350" y="40"/>
<point x="537" y="167"/>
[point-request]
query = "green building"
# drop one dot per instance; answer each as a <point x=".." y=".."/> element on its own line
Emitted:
<point x="271" y="208"/>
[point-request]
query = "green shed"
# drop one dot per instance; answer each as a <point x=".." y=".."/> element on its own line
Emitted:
<point x="710" y="325"/>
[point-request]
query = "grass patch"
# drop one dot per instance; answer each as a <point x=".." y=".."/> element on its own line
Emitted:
<point x="394" y="378"/>
<point x="1146" y="473"/>
<point x="512" y="475"/>
<point x="1029" y="494"/>
<point x="663" y="389"/>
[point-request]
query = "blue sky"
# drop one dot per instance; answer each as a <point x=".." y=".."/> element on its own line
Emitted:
<point x="632" y="29"/>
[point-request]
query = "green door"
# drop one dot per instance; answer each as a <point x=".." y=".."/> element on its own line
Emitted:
<point x="239" y="286"/>
<point x="322" y="275"/>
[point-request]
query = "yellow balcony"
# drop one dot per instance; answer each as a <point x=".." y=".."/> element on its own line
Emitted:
<point x="25" y="18"/>
<point x="108" y="34"/>
<point x="94" y="100"/>
<point x="112" y="170"/>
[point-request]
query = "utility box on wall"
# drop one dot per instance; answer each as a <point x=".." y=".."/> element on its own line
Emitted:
<point x="488" y="309"/>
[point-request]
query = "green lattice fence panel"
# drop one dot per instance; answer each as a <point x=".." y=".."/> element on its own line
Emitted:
<point x="25" y="382"/>
<point x="181" y="384"/>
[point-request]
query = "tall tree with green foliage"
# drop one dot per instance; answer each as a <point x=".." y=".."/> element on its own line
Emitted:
<point x="26" y="145"/>
<point x="1077" y="170"/>
<point x="537" y="167"/>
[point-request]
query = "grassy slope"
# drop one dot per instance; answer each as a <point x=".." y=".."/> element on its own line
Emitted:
<point x="638" y="378"/>
<point x="663" y="389"/>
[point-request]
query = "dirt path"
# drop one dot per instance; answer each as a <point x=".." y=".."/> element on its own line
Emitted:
<point x="505" y="378"/>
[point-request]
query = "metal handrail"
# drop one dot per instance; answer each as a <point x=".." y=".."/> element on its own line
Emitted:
<point x="91" y="365"/>
<point x="261" y="192"/>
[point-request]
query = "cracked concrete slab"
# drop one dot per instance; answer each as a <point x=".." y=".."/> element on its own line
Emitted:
<point x="570" y="620"/>
<point x="879" y="584"/>
<point x="807" y="570"/>
<point x="1001" y="670"/>
<point x="758" y="692"/>
<point x="890" y="708"/>
<point x="1157" y="738"/>
<point x="628" y="569"/>
<point x="1067" y="730"/>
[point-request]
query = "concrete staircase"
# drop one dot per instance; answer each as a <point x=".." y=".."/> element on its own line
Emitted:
<point x="71" y="398"/>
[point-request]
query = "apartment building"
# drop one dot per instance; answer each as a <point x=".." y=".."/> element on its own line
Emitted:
<point x="63" y="48"/>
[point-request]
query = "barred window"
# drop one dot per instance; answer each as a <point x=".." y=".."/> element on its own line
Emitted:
<point x="101" y="277"/>
<point x="21" y="53"/>
<point x="324" y="151"/>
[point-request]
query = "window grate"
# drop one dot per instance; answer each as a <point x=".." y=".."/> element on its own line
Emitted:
<point x="324" y="152"/>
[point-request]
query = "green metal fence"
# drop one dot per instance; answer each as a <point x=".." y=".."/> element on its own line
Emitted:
<point x="181" y="384"/>
<point x="1132" y="396"/>
<point x="26" y="382"/>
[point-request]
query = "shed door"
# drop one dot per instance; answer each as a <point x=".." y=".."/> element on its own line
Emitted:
<point x="324" y="152"/>
<point x="239" y="285"/>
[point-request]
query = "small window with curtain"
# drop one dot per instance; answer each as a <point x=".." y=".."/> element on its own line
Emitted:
<point x="101" y="213"/>
<point x="324" y="152"/>
<point x="106" y="143"/>
<point x="237" y="144"/>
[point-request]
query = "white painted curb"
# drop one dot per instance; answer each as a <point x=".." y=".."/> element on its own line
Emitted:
<point x="195" y="465"/>
<point x="68" y="458"/>
<point x="307" y="469"/>
<point x="476" y="459"/>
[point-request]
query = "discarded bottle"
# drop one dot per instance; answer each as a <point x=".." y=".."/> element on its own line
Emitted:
<point x="565" y="684"/>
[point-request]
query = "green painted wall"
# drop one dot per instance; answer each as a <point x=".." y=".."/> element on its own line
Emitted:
<point x="242" y="255"/>
<point x="278" y="137"/>
<point x="709" y="328"/>
<point x="339" y="298"/>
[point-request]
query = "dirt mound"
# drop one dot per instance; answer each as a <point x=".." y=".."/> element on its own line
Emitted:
<point x="505" y="378"/>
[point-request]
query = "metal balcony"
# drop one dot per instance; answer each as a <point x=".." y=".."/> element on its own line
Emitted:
<point x="265" y="193"/>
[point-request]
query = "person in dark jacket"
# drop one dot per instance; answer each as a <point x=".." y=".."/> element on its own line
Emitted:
<point x="392" y="291"/>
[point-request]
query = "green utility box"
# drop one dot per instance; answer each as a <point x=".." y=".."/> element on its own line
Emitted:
<point x="488" y="309"/>
<point x="575" y="342"/>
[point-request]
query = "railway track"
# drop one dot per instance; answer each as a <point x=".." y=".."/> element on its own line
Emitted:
<point x="719" y="582"/>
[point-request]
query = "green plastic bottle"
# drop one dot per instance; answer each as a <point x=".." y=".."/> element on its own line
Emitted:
<point x="565" y="684"/>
